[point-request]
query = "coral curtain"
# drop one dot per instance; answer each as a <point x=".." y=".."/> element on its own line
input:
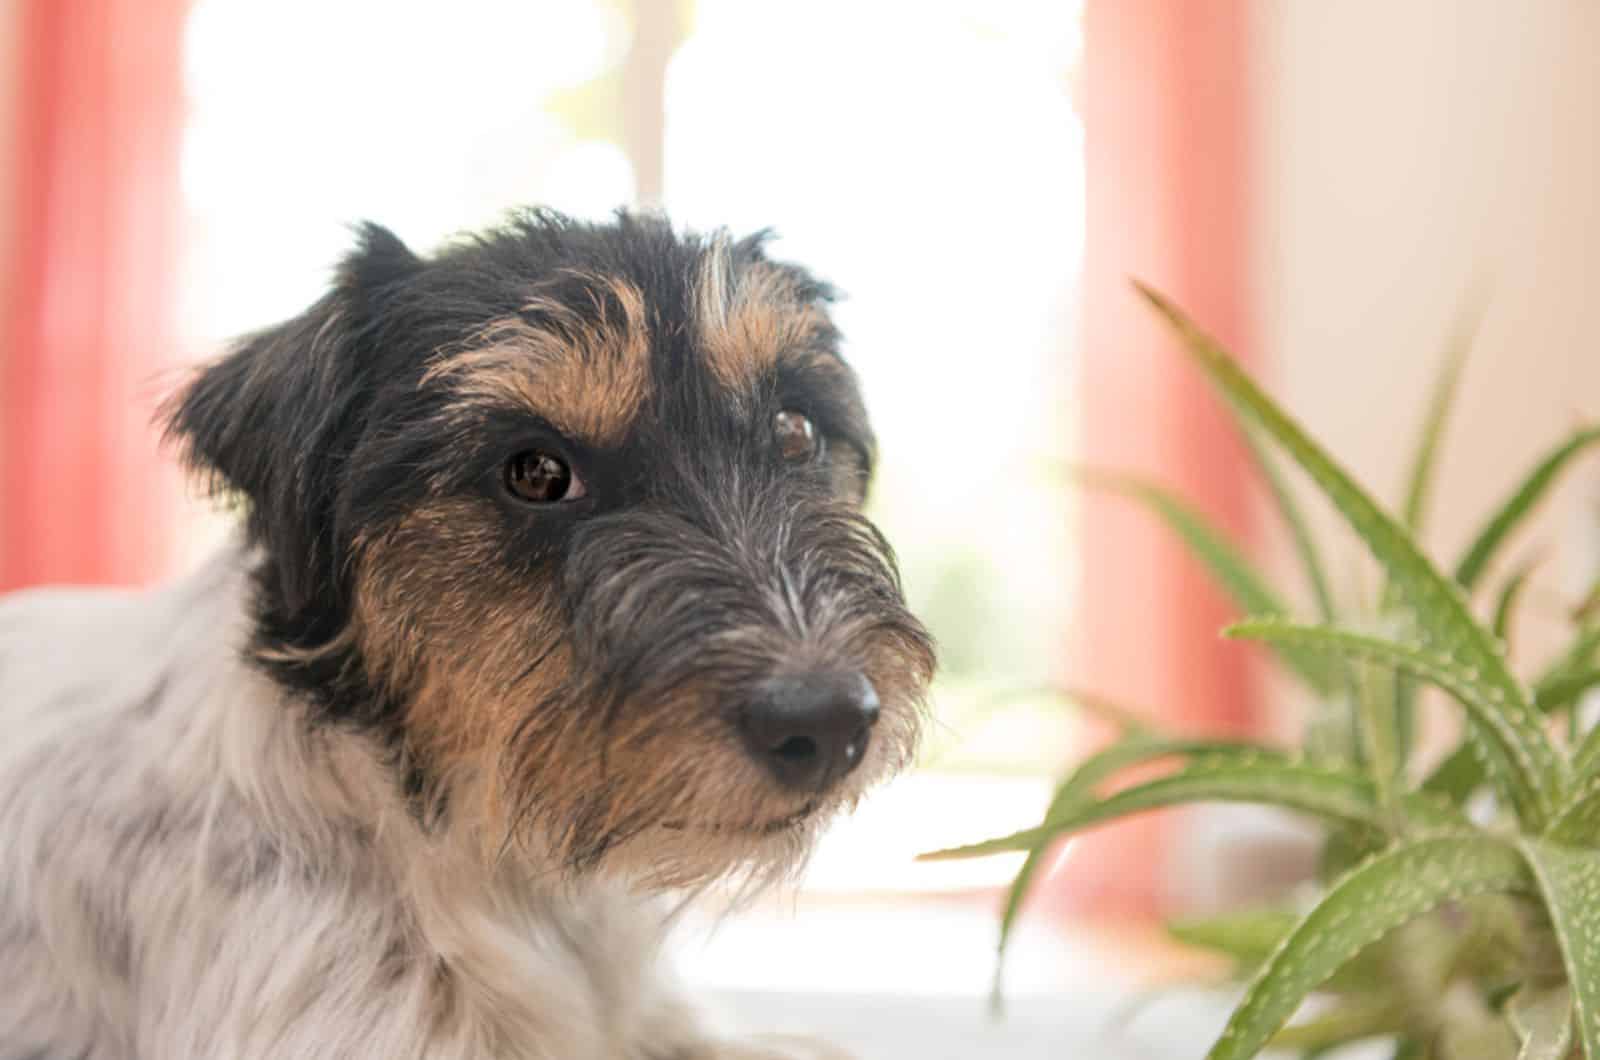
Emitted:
<point x="1168" y="127"/>
<point x="90" y="255"/>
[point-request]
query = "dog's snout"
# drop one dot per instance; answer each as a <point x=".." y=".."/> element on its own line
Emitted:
<point x="810" y="729"/>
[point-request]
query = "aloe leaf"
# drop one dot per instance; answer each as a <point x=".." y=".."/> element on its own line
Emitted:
<point x="1457" y="777"/>
<point x="1444" y="621"/>
<point x="1335" y="795"/>
<point x="1565" y="682"/>
<point x="1403" y="713"/>
<point x="1371" y="900"/>
<point x="1543" y="1022"/>
<point x="1569" y="881"/>
<point x="1515" y="508"/>
<point x="1352" y="1020"/>
<point x="1579" y="819"/>
<point x="1510" y="744"/>
<point x="1506" y="603"/>
<point x="1586" y="607"/>
<point x="1246" y="937"/>
<point x="1016" y="895"/>
<point x="1419" y="483"/>
<point x="1305" y="545"/>
<point x="1256" y="777"/>
<point x="1586" y="759"/>
<point x="1460" y="774"/>
<point x="1375" y="725"/>
<point x="1580" y="655"/>
<point x="1076" y="788"/>
<point x="1402" y="706"/>
<point x="1231" y="569"/>
<point x="1250" y="936"/>
<point x="1564" y="689"/>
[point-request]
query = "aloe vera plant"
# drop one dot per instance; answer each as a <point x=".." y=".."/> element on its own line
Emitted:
<point x="1458" y="914"/>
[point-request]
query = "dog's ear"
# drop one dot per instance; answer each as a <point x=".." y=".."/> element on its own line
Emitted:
<point x="275" y="418"/>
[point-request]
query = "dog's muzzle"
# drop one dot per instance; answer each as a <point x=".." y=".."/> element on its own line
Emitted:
<point x="782" y="617"/>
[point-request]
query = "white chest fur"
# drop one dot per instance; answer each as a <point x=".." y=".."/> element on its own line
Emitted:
<point x="187" y="869"/>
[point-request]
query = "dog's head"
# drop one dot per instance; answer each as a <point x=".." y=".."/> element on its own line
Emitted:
<point x="568" y="514"/>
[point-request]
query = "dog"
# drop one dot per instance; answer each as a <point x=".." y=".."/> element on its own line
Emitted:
<point x="552" y="601"/>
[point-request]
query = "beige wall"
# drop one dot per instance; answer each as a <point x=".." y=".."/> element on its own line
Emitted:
<point x="1409" y="146"/>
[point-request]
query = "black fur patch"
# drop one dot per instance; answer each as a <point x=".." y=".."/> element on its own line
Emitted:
<point x="331" y="428"/>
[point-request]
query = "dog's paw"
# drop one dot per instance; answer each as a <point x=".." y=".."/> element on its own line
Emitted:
<point x="774" y="1047"/>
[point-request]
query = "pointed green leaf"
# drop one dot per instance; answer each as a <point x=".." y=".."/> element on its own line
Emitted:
<point x="1579" y="820"/>
<point x="1376" y="728"/>
<point x="1444" y="622"/>
<point x="1523" y="500"/>
<point x="1247" y="937"/>
<point x="1580" y="655"/>
<point x="1231" y="569"/>
<point x="1586" y="759"/>
<point x="1079" y="787"/>
<point x="1506" y="603"/>
<point x="1016" y="895"/>
<point x="1511" y="745"/>
<point x="1403" y="713"/>
<point x="1586" y="607"/>
<point x="1256" y="777"/>
<point x="1446" y="385"/>
<point x="1569" y="881"/>
<point x="1305" y="545"/>
<point x="1457" y="777"/>
<point x="1366" y="904"/>
<point x="1565" y="689"/>
<point x="1460" y="774"/>
<point x="1250" y="936"/>
<point x="1351" y="1020"/>
<point x="1543" y="1022"/>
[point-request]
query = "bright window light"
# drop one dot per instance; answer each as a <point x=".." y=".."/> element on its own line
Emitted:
<point x="926" y="158"/>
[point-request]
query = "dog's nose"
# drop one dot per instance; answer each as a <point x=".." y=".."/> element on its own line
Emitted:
<point x="811" y="729"/>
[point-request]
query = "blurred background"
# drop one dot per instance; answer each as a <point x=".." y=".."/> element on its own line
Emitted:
<point x="1322" y="185"/>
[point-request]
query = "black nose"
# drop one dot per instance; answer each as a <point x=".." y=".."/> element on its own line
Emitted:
<point x="810" y="729"/>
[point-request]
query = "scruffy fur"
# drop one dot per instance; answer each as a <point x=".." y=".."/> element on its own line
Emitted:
<point x="410" y="768"/>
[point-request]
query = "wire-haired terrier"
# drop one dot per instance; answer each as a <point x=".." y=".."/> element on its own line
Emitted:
<point x="553" y="597"/>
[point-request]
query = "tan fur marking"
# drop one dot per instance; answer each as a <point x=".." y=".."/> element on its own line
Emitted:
<point x="435" y="617"/>
<point x="749" y="318"/>
<point x="586" y="374"/>
<point x="461" y="645"/>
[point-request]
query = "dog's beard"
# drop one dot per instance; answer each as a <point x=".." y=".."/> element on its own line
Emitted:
<point x="683" y="613"/>
<point x="586" y="718"/>
<point x="664" y="808"/>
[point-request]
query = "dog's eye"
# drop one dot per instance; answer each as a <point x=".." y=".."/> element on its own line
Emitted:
<point x="796" y="436"/>
<point x="540" y="478"/>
